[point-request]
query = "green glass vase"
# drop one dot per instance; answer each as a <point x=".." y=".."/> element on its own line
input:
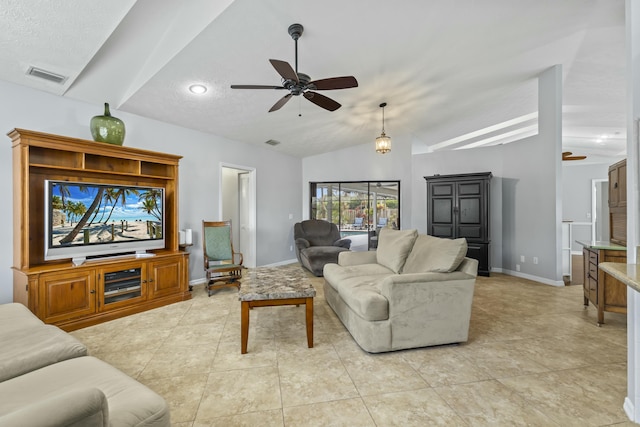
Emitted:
<point x="107" y="128"/>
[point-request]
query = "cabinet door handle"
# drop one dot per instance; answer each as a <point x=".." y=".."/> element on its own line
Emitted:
<point x="92" y="291"/>
<point x="615" y="185"/>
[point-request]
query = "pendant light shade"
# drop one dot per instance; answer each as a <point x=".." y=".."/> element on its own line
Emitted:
<point x="383" y="142"/>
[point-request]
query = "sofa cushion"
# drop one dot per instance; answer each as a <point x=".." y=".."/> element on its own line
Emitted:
<point x="435" y="254"/>
<point x="15" y="316"/>
<point x="130" y="403"/>
<point x="32" y="348"/>
<point x="335" y="274"/>
<point x="362" y="295"/>
<point x="81" y="407"/>
<point x="394" y="246"/>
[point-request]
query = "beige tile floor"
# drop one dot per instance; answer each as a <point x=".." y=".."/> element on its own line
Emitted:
<point x="534" y="357"/>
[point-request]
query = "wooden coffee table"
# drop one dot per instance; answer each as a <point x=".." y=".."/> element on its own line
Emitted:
<point x="267" y="286"/>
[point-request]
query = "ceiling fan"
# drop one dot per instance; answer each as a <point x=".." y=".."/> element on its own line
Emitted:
<point x="568" y="155"/>
<point x="301" y="84"/>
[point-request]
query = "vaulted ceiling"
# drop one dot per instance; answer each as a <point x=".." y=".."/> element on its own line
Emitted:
<point x="454" y="73"/>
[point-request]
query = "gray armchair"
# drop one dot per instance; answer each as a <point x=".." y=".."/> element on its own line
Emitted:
<point x="318" y="242"/>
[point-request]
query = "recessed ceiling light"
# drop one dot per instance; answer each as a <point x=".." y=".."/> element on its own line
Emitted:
<point x="197" y="89"/>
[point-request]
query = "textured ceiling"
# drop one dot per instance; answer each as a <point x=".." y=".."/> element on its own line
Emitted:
<point x="453" y="72"/>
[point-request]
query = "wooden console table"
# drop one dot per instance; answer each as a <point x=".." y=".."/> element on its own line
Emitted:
<point x="605" y="292"/>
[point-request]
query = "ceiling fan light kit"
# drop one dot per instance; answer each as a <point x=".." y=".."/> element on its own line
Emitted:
<point x="383" y="142"/>
<point x="301" y="84"/>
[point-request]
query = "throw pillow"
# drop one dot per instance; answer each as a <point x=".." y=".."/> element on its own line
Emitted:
<point x="394" y="246"/>
<point x="435" y="254"/>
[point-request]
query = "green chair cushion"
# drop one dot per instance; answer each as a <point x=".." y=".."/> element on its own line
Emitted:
<point x="218" y="243"/>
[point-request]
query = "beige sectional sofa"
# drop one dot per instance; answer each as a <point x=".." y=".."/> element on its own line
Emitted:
<point x="47" y="379"/>
<point x="413" y="291"/>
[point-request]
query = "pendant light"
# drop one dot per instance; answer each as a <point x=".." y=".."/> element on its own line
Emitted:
<point x="383" y="142"/>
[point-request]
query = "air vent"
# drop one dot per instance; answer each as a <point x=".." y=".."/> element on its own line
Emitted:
<point x="272" y="142"/>
<point x="46" y="75"/>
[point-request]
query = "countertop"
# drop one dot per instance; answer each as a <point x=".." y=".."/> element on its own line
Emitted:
<point x="629" y="274"/>
<point x="605" y="244"/>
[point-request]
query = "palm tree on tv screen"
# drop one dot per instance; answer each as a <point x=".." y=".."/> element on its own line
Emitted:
<point x="85" y="218"/>
<point x="150" y="203"/>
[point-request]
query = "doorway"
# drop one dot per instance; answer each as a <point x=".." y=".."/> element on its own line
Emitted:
<point x="238" y="203"/>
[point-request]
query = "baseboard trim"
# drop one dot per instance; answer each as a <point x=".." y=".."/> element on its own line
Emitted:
<point x="196" y="282"/>
<point x="277" y="264"/>
<point x="629" y="408"/>
<point x="531" y="277"/>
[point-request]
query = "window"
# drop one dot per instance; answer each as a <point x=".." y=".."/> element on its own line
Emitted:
<point x="360" y="209"/>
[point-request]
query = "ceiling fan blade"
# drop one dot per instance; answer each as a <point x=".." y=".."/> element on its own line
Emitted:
<point x="322" y="101"/>
<point x="344" y="82"/>
<point x="280" y="102"/>
<point x="567" y="155"/>
<point x="284" y="69"/>
<point x="255" y="87"/>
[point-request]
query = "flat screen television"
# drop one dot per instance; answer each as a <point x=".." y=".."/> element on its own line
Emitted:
<point x="89" y="220"/>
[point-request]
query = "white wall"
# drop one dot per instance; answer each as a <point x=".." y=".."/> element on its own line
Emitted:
<point x="532" y="191"/>
<point x="279" y="176"/>
<point x="362" y="163"/>
<point x="577" y="198"/>
<point x="576" y="189"/>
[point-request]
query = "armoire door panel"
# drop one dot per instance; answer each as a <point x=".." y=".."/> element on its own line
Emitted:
<point x="469" y="188"/>
<point x="470" y="232"/>
<point x="470" y="210"/>
<point x="442" y="211"/>
<point x="442" y="190"/>
<point x="442" y="231"/>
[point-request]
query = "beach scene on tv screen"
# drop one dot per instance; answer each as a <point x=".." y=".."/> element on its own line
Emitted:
<point x="85" y="214"/>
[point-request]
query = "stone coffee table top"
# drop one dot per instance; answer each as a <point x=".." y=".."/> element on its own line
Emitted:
<point x="269" y="283"/>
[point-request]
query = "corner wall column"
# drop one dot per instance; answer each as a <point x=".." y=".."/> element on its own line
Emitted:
<point x="550" y="131"/>
<point x="632" y="16"/>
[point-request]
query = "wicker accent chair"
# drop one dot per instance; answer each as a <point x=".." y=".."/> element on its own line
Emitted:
<point x="222" y="265"/>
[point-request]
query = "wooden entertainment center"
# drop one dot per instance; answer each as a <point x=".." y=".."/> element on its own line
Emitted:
<point x="101" y="289"/>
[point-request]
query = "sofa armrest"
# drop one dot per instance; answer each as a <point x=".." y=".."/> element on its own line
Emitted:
<point x="428" y="308"/>
<point x="79" y="407"/>
<point x="357" y="258"/>
<point x="302" y="243"/>
<point x="469" y="266"/>
<point x="343" y="243"/>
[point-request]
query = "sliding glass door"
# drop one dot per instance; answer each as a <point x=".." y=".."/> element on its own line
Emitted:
<point x="360" y="209"/>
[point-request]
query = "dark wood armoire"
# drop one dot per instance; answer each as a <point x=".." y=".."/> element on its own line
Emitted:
<point x="458" y="206"/>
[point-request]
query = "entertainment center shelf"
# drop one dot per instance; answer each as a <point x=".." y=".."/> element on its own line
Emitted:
<point x="55" y="158"/>
<point x="71" y="296"/>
